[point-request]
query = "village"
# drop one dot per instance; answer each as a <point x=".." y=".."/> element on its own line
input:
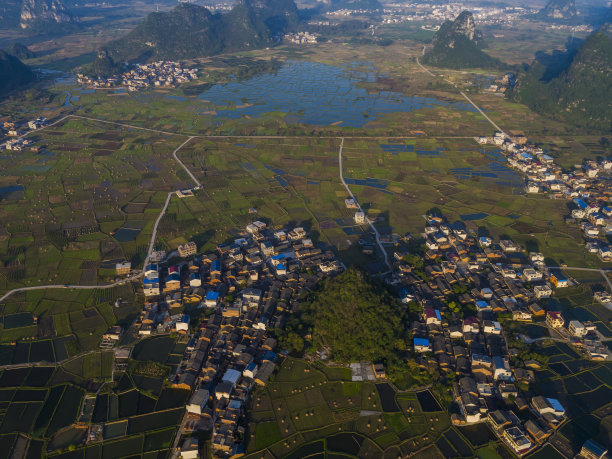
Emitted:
<point x="141" y="76"/>
<point x="245" y="288"/>
<point x="467" y="288"/>
<point x="16" y="132"/>
<point x="587" y="186"/>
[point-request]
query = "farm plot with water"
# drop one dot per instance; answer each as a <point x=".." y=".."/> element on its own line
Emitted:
<point x="317" y="94"/>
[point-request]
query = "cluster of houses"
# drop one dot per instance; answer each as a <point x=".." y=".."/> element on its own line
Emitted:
<point x="301" y="38"/>
<point x="587" y="186"/>
<point x="17" y="142"/>
<point x="247" y="286"/>
<point x="581" y="334"/>
<point x="466" y="287"/>
<point x="156" y="74"/>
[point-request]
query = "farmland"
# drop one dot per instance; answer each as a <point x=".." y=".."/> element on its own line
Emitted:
<point x="90" y="195"/>
<point x="67" y="322"/>
<point x="135" y="413"/>
<point x="309" y="409"/>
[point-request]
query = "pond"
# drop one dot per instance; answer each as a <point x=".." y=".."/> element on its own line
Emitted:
<point x="316" y="94"/>
<point x="387" y="397"/>
<point x="427" y="401"/>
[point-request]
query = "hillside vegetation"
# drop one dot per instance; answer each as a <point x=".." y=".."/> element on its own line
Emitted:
<point x="582" y="92"/>
<point x="353" y="318"/>
<point x="458" y="45"/>
<point x="191" y="31"/>
<point x="13" y="73"/>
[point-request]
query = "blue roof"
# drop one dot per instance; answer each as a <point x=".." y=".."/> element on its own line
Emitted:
<point x="212" y="295"/>
<point x="580" y="203"/>
<point x="438" y="315"/>
<point x="421" y="342"/>
<point x="269" y="355"/>
<point x="184" y="318"/>
<point x="151" y="281"/>
<point x="482" y="304"/>
<point x="595" y="447"/>
<point x="280" y="266"/>
<point x="526" y="156"/>
<point x="216" y="265"/>
<point x="555" y="404"/>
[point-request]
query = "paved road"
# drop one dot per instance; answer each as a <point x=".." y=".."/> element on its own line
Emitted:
<point x="154" y="232"/>
<point x="79" y="287"/>
<point x="174" y="153"/>
<point x="463" y="94"/>
<point x="384" y="252"/>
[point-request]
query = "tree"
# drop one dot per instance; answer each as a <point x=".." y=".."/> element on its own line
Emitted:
<point x="357" y="319"/>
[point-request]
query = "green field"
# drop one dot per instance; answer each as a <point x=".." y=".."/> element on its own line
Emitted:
<point x="308" y="408"/>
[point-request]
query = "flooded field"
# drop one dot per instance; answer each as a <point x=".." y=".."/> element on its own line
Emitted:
<point x="317" y="94"/>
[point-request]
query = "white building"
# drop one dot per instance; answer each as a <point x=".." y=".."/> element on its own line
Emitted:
<point x="360" y="218"/>
<point x="198" y="401"/>
<point x="576" y="328"/>
<point x="190" y="449"/>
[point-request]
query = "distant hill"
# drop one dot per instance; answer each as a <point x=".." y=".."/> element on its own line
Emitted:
<point x="14" y="74"/>
<point x="21" y="51"/>
<point x="458" y="45"/>
<point x="559" y="10"/>
<point x="582" y="92"/>
<point x="189" y="31"/>
<point x="42" y="14"/>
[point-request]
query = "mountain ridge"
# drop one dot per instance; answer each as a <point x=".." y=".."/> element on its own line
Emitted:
<point x="458" y="45"/>
<point x="191" y="31"/>
<point x="14" y="74"/>
<point x="581" y="93"/>
<point x="36" y="14"/>
<point x="559" y="10"/>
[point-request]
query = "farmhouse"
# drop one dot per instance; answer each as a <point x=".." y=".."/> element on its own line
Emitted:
<point x="188" y="249"/>
<point x="554" y="319"/>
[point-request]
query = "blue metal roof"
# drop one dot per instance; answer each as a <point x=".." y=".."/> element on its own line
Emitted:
<point x="421" y="342"/>
<point x="212" y="295"/>
<point x="580" y="203"/>
<point x="555" y="404"/>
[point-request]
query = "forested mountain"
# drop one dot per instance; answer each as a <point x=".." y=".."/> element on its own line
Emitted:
<point x="458" y="45"/>
<point x="189" y="31"/>
<point x="559" y="10"/>
<point x="13" y="73"/>
<point x="20" y="51"/>
<point x="582" y="92"/>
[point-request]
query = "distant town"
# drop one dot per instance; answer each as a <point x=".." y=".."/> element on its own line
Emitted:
<point x="156" y="74"/>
